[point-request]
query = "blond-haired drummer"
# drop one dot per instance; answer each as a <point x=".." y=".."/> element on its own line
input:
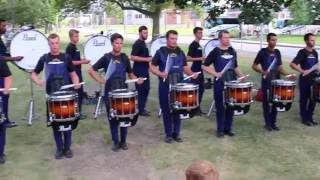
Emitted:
<point x="58" y="69"/>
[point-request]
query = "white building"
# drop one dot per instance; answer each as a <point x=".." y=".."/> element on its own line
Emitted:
<point x="132" y="17"/>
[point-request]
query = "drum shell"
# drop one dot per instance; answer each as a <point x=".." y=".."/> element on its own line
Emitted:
<point x="123" y="103"/>
<point x="238" y="94"/>
<point x="282" y="91"/>
<point x="185" y="96"/>
<point x="63" y="106"/>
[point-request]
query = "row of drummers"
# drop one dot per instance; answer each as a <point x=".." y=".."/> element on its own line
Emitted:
<point x="179" y="95"/>
<point x="238" y="94"/>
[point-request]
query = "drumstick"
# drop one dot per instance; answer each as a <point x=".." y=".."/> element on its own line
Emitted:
<point x="290" y="75"/>
<point x="188" y="77"/>
<point x="241" y="78"/>
<point x="270" y="67"/>
<point x="313" y="68"/>
<point x="10" y="89"/>
<point x="70" y="85"/>
<point x="134" y="80"/>
<point x="226" y="67"/>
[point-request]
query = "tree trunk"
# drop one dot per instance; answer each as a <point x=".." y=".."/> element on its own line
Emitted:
<point x="156" y="22"/>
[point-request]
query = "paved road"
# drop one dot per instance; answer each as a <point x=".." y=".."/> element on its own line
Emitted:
<point x="287" y="50"/>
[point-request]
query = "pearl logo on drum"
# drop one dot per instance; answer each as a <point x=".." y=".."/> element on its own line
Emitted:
<point x="97" y="43"/>
<point x="27" y="37"/>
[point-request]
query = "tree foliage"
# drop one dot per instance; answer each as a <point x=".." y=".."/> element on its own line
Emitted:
<point x="35" y="12"/>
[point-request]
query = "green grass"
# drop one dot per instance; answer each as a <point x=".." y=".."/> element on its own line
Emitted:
<point x="293" y="153"/>
<point x="288" y="39"/>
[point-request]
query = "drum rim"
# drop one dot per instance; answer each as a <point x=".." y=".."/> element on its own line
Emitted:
<point x="234" y="84"/>
<point x="129" y="93"/>
<point x="15" y="63"/>
<point x="282" y="82"/>
<point x="68" y="96"/>
<point x="185" y="86"/>
<point x="96" y="35"/>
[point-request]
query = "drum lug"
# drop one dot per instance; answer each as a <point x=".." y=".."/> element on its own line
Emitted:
<point x="112" y="113"/>
<point x="51" y="117"/>
<point x="177" y="105"/>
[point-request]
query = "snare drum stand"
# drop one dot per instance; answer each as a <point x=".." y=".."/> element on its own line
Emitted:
<point x="211" y="107"/>
<point x="99" y="108"/>
<point x="212" y="104"/>
<point x="30" y="110"/>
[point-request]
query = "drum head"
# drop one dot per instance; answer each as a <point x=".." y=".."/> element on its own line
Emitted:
<point x="185" y="86"/>
<point x="213" y="43"/>
<point x="157" y="44"/>
<point x="62" y="95"/>
<point x="238" y="84"/>
<point x="96" y="47"/>
<point x="122" y="93"/>
<point x="30" y="44"/>
<point x="282" y="82"/>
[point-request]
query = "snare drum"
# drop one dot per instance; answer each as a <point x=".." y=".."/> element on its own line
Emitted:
<point x="316" y="89"/>
<point x="238" y="93"/>
<point x="282" y="91"/>
<point x="123" y="103"/>
<point x="63" y="106"/>
<point x="184" y="96"/>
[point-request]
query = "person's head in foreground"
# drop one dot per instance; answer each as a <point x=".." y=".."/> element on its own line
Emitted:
<point x="202" y="170"/>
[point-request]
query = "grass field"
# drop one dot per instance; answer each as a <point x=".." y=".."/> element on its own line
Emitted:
<point x="288" y="39"/>
<point x="253" y="154"/>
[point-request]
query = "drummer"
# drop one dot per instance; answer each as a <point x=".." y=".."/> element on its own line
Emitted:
<point x="221" y="57"/>
<point x="5" y="75"/>
<point x="141" y="58"/>
<point x="264" y="58"/>
<point x="195" y="55"/>
<point x="4" y="56"/>
<point x="117" y="65"/>
<point x="171" y="121"/>
<point x="303" y="63"/>
<point x="56" y="75"/>
<point x="74" y="53"/>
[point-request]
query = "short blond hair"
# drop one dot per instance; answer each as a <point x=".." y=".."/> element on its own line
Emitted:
<point x="72" y="32"/>
<point x="201" y="170"/>
<point x="53" y="36"/>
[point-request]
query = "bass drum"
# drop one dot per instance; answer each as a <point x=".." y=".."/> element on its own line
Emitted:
<point x="95" y="47"/>
<point x="157" y="44"/>
<point x="213" y="43"/>
<point x="31" y="44"/>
